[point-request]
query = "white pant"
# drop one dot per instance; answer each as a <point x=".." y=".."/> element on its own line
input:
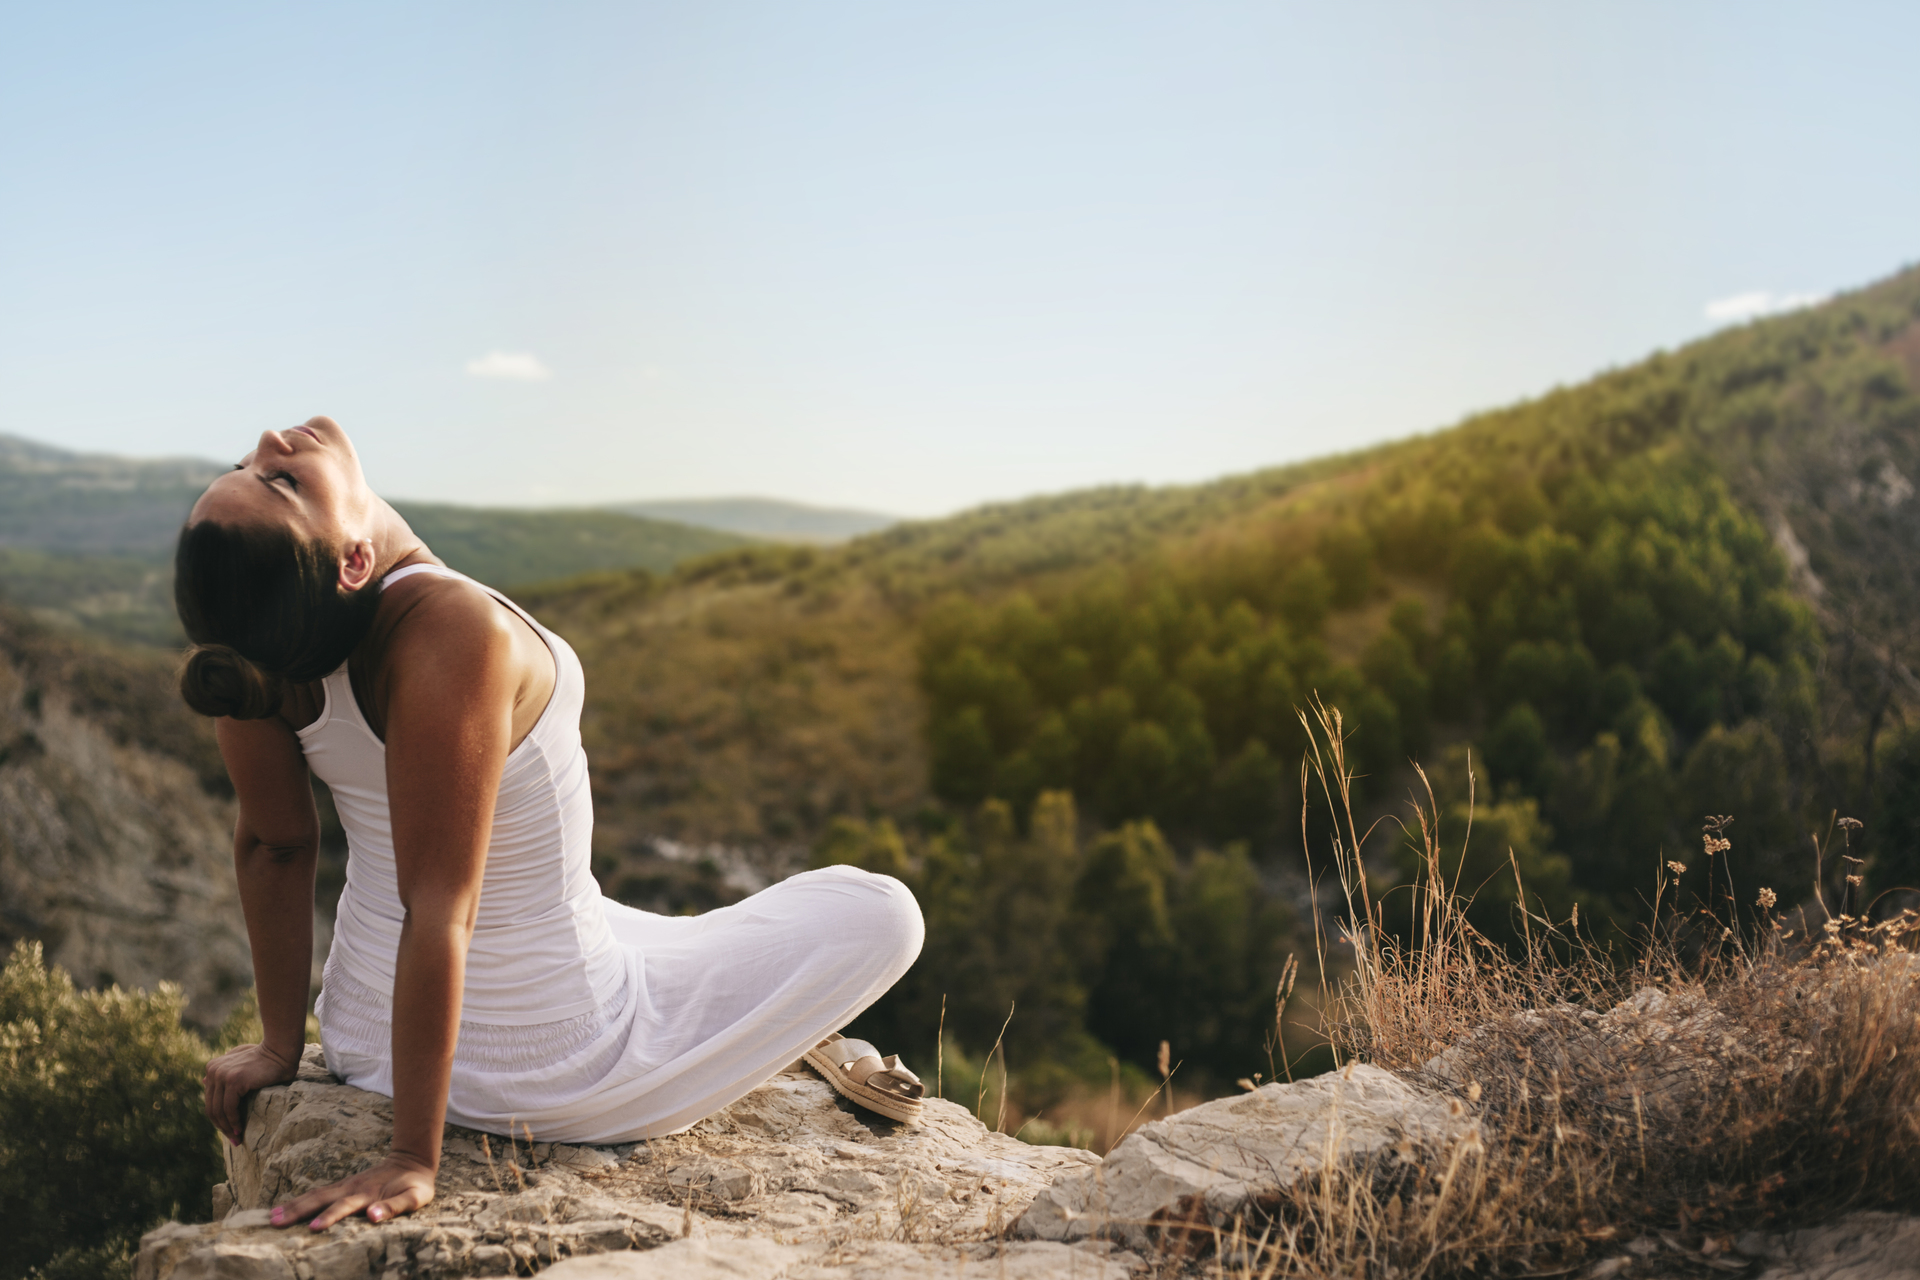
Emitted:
<point x="714" y="1005"/>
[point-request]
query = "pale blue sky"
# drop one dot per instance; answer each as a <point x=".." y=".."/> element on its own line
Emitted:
<point x="906" y="256"/>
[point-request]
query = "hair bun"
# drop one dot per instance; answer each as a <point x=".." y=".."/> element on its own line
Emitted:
<point x="219" y="681"/>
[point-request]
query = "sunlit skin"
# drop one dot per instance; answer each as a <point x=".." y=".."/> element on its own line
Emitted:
<point x="452" y="681"/>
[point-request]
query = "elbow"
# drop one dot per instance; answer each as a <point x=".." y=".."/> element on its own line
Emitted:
<point x="454" y="921"/>
<point x="252" y="851"/>
<point x="287" y="855"/>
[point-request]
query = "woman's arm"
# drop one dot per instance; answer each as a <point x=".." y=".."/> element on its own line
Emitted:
<point x="275" y="846"/>
<point x="453" y="673"/>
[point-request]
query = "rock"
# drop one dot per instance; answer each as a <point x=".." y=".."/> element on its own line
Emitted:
<point x="790" y="1163"/>
<point x="1206" y="1164"/>
<point x="855" y="1260"/>
<point x="792" y="1183"/>
<point x="1860" y="1246"/>
<point x="1023" y="1260"/>
<point x="688" y="1260"/>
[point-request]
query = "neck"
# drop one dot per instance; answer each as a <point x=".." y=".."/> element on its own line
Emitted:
<point x="395" y="544"/>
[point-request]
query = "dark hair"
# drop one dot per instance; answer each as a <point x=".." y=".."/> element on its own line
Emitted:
<point x="262" y="608"/>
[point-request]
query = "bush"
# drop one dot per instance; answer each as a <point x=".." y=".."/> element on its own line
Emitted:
<point x="101" y="1129"/>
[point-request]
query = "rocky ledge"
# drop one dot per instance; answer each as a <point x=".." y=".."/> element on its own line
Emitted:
<point x="792" y="1183"/>
<point x="789" y="1181"/>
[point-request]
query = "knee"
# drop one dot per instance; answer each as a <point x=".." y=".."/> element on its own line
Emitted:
<point x="898" y="920"/>
<point x="884" y="916"/>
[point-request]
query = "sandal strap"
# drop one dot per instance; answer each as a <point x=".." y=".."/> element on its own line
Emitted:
<point x="874" y="1074"/>
<point x="863" y="1064"/>
<point x="894" y="1078"/>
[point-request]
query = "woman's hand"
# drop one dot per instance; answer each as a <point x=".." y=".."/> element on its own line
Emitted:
<point x="235" y="1074"/>
<point x="398" y="1184"/>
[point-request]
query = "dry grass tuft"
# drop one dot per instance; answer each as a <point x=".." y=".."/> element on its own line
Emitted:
<point x="1736" y="1071"/>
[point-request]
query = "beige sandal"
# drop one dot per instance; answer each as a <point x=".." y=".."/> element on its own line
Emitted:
<point x="856" y="1071"/>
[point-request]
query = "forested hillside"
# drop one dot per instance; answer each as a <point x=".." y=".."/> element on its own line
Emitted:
<point x="1676" y="590"/>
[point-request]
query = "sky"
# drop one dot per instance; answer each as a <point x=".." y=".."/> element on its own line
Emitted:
<point x="903" y="256"/>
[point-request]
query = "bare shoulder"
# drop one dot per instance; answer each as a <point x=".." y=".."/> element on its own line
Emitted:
<point x="444" y="621"/>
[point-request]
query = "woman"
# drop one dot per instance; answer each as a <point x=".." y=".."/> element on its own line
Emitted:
<point x="476" y="973"/>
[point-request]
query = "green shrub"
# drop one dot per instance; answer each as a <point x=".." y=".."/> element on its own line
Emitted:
<point x="101" y="1129"/>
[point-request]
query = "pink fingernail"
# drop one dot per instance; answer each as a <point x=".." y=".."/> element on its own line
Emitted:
<point x="279" y="1216"/>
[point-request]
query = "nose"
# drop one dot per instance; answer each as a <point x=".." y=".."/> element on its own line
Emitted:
<point x="273" y="442"/>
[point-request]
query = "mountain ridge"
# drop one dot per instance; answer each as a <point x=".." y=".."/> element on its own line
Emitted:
<point x="87" y="539"/>
<point x="775" y="519"/>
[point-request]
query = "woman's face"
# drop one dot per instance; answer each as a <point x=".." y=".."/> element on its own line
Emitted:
<point x="306" y="478"/>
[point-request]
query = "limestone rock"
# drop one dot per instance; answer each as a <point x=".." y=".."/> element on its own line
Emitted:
<point x="1022" y="1260"/>
<point x="1860" y="1246"/>
<point x="688" y="1260"/>
<point x="853" y="1260"/>
<point x="1208" y="1163"/>
<point x="791" y="1164"/>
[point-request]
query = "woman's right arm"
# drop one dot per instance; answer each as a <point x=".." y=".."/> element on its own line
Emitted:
<point x="276" y="846"/>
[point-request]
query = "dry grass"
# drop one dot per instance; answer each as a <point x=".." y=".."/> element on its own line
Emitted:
<point x="1736" y="1071"/>
<point x="1057" y="1111"/>
<point x="1097" y="1119"/>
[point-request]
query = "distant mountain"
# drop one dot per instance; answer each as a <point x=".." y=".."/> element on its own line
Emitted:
<point x="55" y="501"/>
<point x="768" y="518"/>
<point x="87" y="539"/>
<point x="507" y="548"/>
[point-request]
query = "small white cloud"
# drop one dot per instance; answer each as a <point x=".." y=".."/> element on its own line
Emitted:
<point x="509" y="364"/>
<point x="1758" y="302"/>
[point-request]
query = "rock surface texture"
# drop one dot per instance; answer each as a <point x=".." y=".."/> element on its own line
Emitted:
<point x="1204" y="1165"/>
<point x="792" y="1183"/>
<point x="789" y="1181"/>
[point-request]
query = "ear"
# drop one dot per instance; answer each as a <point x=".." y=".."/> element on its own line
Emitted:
<point x="356" y="564"/>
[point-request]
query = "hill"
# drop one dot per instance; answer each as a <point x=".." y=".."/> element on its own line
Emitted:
<point x="509" y="548"/>
<point x="116" y="843"/>
<point x="1679" y="589"/>
<point x="87" y="539"/>
<point x="767" y="518"/>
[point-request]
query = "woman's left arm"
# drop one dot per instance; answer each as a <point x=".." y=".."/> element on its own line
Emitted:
<point x="452" y="673"/>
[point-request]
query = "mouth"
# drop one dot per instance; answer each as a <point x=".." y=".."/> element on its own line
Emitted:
<point x="305" y="430"/>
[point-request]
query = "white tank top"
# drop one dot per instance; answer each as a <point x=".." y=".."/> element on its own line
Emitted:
<point x="541" y="948"/>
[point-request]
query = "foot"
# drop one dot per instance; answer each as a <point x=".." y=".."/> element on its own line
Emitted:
<point x="858" y="1073"/>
